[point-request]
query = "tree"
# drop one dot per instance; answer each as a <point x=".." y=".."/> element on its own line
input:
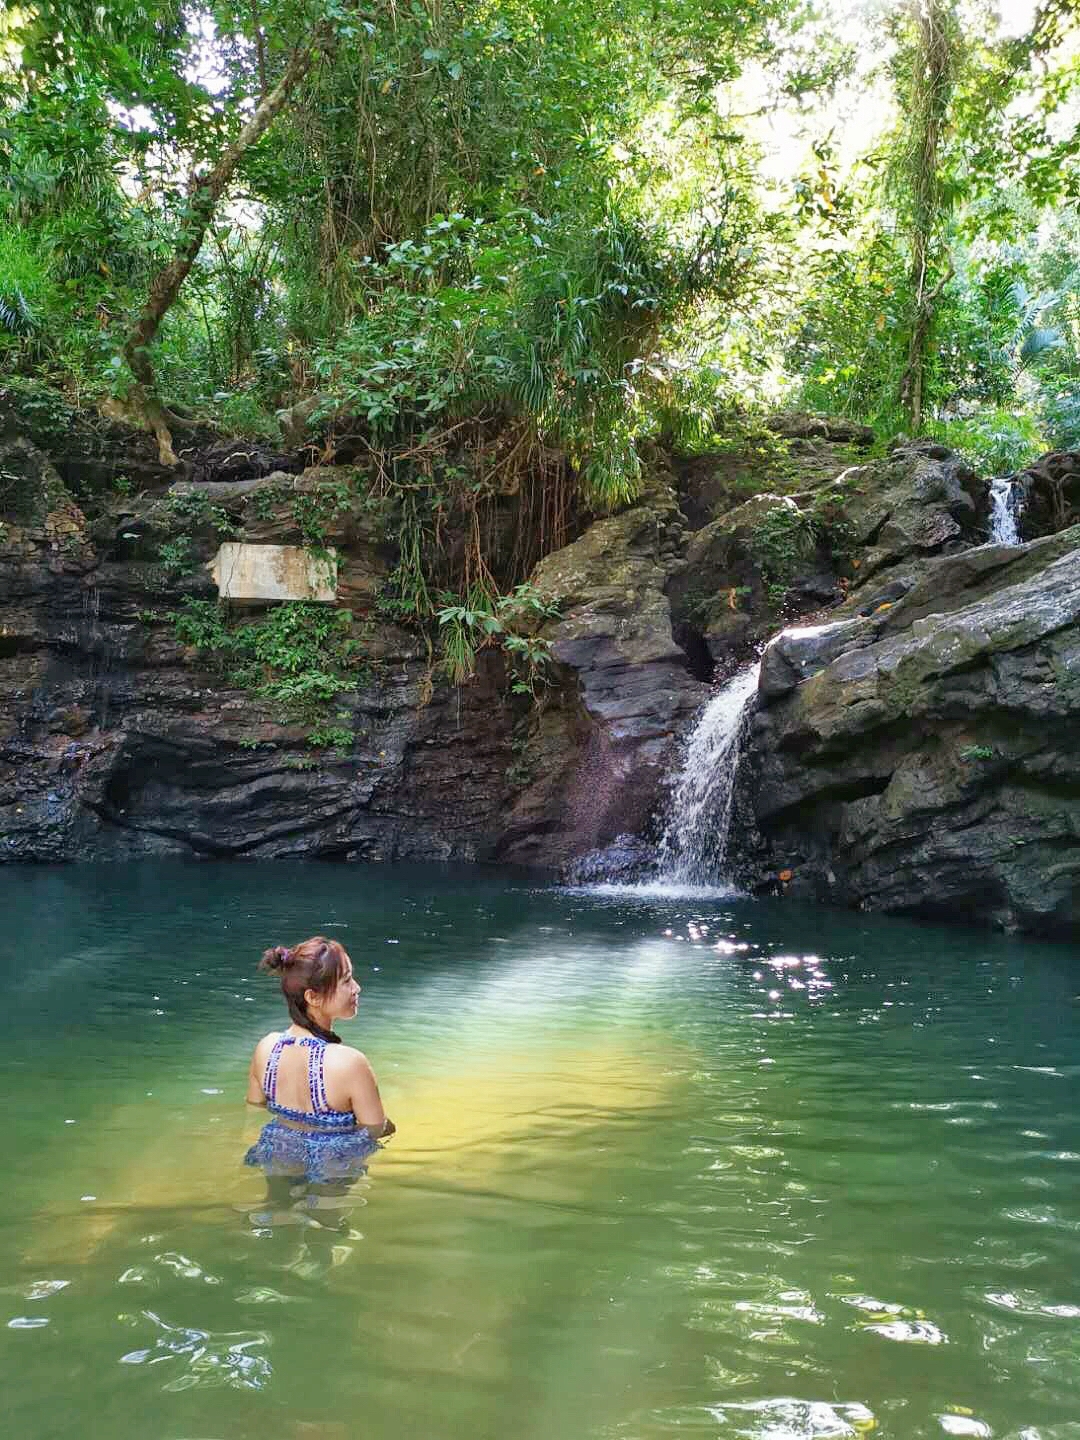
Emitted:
<point x="928" y="75"/>
<point x="203" y="194"/>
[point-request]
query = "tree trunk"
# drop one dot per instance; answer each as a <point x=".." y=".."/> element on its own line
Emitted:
<point x="931" y="86"/>
<point x="204" y="192"/>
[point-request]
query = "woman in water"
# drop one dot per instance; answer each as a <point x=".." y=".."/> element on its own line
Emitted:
<point x="328" y="1117"/>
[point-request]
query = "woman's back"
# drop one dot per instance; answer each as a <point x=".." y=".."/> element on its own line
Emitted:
<point x="295" y="1082"/>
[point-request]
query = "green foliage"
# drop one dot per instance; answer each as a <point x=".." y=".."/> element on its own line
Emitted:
<point x="1061" y="419"/>
<point x="201" y="623"/>
<point x="481" y="621"/>
<point x="316" y="509"/>
<point x="36" y="409"/>
<point x="831" y="529"/>
<point x="996" y="442"/>
<point x="784" y="540"/>
<point x="300" y="656"/>
<point x="977" y="752"/>
<point x="178" y="555"/>
<point x="339" y="738"/>
<point x="508" y="243"/>
<point x="24" y="292"/>
<point x="196" y="508"/>
<point x="545" y="320"/>
<point x="265" y="501"/>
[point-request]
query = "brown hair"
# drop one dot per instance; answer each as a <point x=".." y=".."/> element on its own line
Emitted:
<point x="316" y="964"/>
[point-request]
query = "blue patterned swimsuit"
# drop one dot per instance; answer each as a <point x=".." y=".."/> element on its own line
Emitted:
<point x="330" y="1146"/>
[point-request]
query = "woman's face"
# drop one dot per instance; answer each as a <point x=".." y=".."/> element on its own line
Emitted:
<point x="343" y="1000"/>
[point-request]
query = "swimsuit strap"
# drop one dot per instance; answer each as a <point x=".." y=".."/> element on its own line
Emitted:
<point x="316" y="1078"/>
<point x="270" y="1077"/>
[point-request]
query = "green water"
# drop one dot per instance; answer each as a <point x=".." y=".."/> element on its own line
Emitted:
<point x="799" y="1175"/>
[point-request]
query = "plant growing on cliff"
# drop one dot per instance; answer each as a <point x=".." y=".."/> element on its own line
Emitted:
<point x="177" y="555"/>
<point x="338" y="737"/>
<point x="482" y="621"/>
<point x="196" y="508"/>
<point x="315" y="510"/>
<point x="300" y="656"/>
<point x="784" y="539"/>
<point x="977" y="752"/>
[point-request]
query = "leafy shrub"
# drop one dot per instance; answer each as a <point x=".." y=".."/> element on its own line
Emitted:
<point x="25" y="291"/>
<point x="995" y="442"/>
<point x="784" y="539"/>
<point x="520" y="317"/>
<point x="178" y="555"/>
<point x="300" y="655"/>
<point x="482" y="621"/>
<point x="1061" y="419"/>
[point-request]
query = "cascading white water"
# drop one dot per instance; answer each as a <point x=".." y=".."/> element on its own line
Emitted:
<point x="1006" y="506"/>
<point x="695" y="840"/>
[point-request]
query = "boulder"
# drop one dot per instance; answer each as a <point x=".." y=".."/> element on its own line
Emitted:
<point x="800" y="425"/>
<point x="1051" y="493"/>
<point x="919" y="501"/>
<point x="624" y="862"/>
<point x="926" y="759"/>
<point x="744" y="571"/>
<point x="797" y="653"/>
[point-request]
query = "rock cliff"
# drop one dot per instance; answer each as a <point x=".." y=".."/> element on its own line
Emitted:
<point x="925" y="758"/>
<point x="117" y="739"/>
<point x="914" y="747"/>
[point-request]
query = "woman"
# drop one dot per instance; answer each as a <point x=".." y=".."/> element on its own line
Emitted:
<point x="328" y="1116"/>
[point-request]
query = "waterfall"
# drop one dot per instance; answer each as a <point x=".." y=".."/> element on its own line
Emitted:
<point x="93" y="646"/>
<point x="694" y="844"/>
<point x="1006" y="507"/>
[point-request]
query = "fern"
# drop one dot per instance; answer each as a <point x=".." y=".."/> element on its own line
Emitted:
<point x="16" y="315"/>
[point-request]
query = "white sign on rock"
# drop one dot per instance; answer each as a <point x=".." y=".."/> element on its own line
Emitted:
<point x="274" y="572"/>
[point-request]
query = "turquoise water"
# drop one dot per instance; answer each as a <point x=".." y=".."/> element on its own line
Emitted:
<point x="663" y="1167"/>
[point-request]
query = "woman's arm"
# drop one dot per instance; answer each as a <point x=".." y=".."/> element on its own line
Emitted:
<point x="255" y="1095"/>
<point x="364" y="1097"/>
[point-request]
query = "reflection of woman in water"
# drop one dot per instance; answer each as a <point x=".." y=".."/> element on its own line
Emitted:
<point x="328" y="1117"/>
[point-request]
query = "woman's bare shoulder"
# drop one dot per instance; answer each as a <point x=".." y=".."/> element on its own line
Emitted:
<point x="347" y="1057"/>
<point x="267" y="1043"/>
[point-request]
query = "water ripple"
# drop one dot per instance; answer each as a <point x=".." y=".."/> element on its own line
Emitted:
<point x="211" y="1360"/>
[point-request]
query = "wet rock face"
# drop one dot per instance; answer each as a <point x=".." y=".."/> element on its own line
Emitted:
<point x="919" y="501"/>
<point x="624" y="861"/>
<point x="115" y="741"/>
<point x="926" y="760"/>
<point x="916" y="747"/>
<point x="114" y="744"/>
<point x="593" y="759"/>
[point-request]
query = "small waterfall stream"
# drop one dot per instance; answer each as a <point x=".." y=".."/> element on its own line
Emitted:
<point x="95" y="644"/>
<point x="694" y="844"/>
<point x="1006" y="507"/>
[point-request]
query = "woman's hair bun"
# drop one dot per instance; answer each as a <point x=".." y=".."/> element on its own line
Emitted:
<point x="276" y="958"/>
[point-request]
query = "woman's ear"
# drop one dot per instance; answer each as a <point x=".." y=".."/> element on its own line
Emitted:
<point x="311" y="997"/>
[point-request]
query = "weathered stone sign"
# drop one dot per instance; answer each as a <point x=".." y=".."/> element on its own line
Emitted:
<point x="274" y="572"/>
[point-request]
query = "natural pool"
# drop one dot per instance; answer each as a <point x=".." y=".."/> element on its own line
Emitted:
<point x="664" y="1166"/>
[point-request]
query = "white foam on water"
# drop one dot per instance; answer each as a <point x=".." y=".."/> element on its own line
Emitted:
<point x="660" y="889"/>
